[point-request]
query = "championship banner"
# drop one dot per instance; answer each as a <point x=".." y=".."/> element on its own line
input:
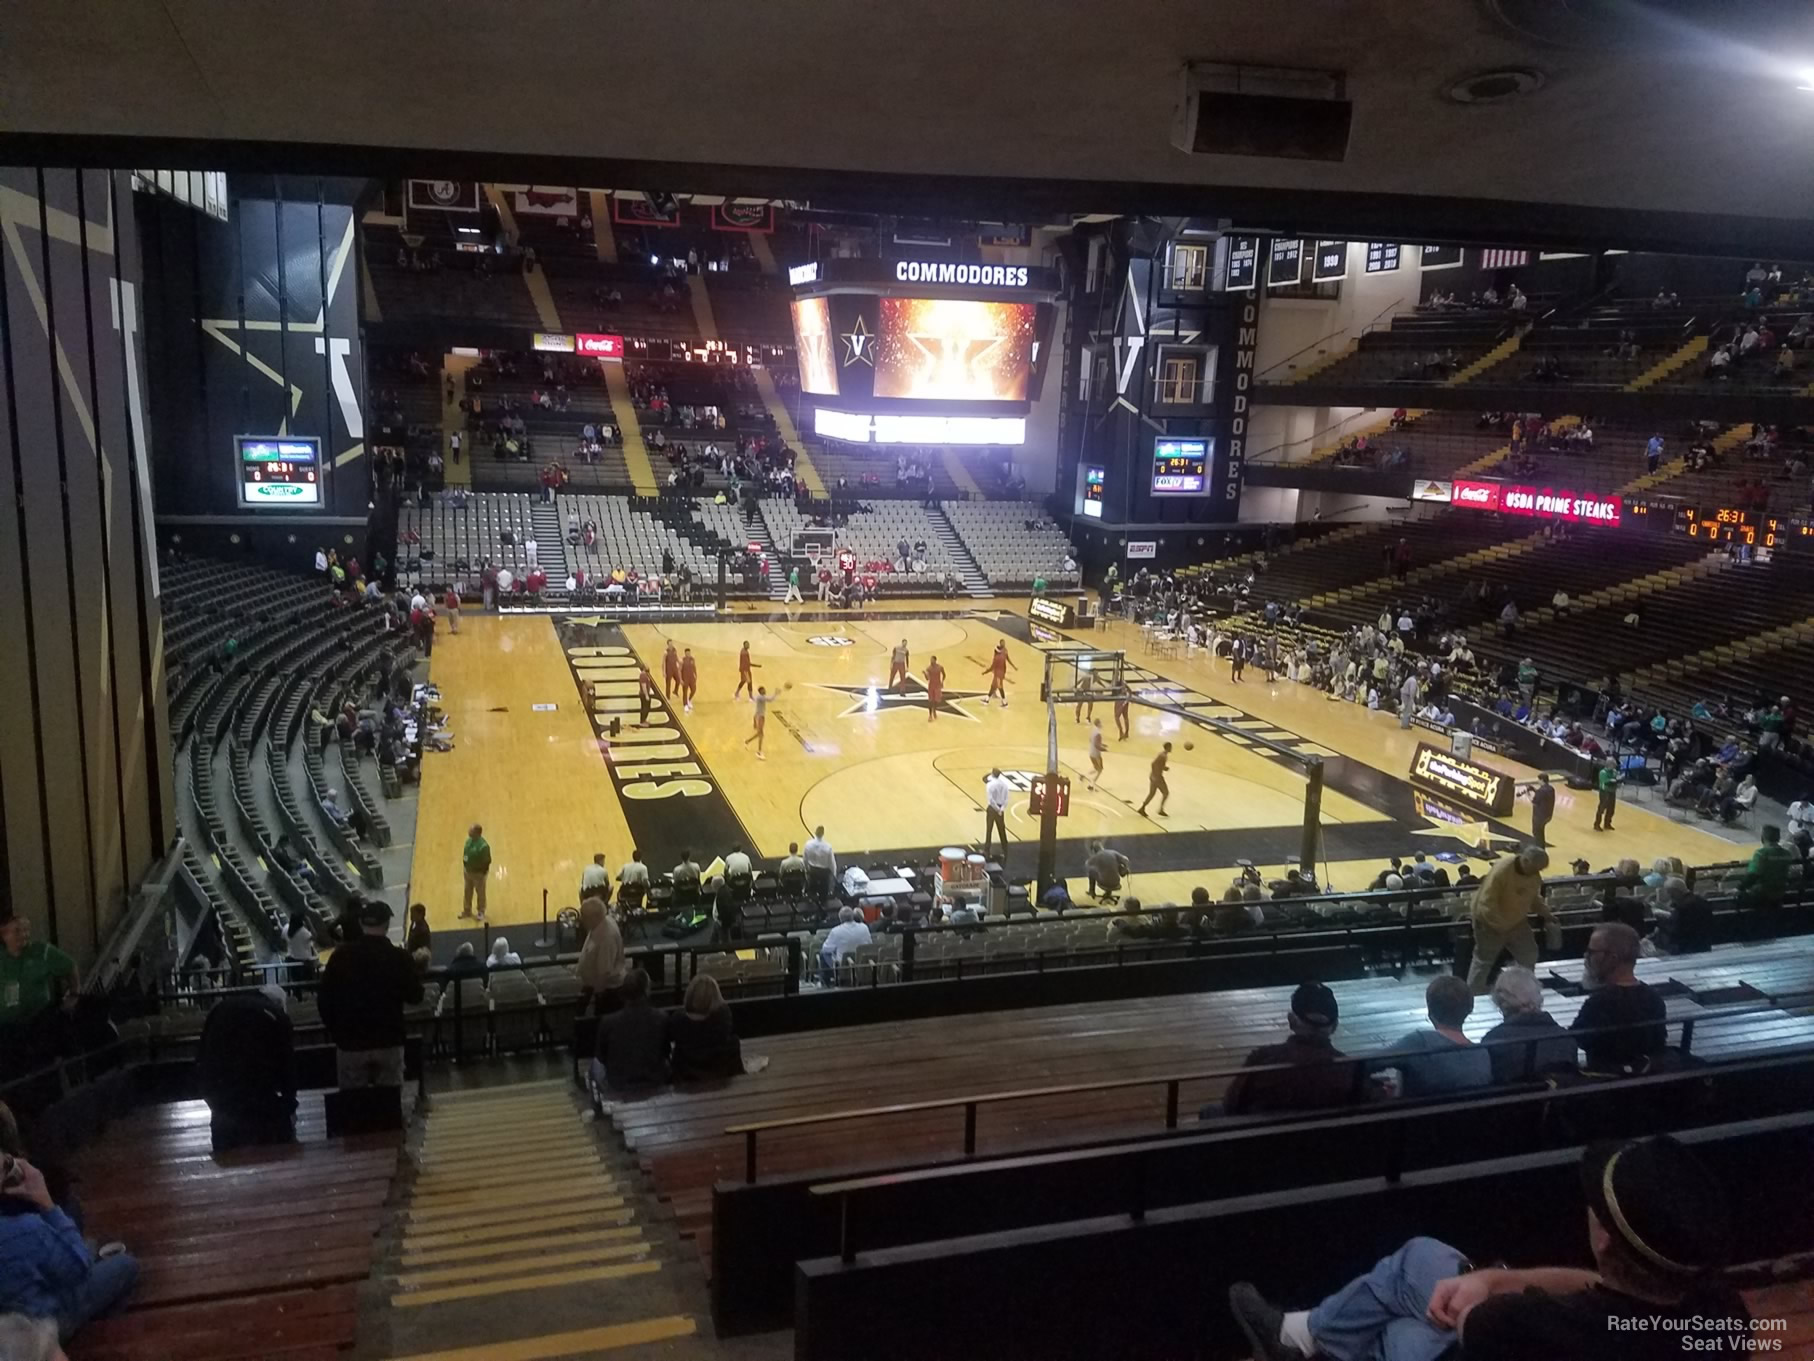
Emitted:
<point x="642" y="212"/>
<point x="743" y="217"/>
<point x="547" y="200"/>
<point x="442" y="196"/>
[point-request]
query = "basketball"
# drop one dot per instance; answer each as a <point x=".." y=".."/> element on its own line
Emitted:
<point x="787" y="685"/>
<point x="1190" y="746"/>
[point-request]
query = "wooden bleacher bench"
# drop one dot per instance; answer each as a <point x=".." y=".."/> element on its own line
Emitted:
<point x="254" y="1253"/>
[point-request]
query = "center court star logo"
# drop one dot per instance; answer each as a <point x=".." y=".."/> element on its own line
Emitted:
<point x="874" y="699"/>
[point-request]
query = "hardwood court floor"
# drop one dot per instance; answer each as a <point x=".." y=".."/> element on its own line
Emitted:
<point x="878" y="773"/>
<point x="532" y="778"/>
<point x="879" y="776"/>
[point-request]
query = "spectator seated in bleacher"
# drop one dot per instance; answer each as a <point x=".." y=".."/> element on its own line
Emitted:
<point x="1685" y="919"/>
<point x="850" y="934"/>
<point x="47" y="1269"/>
<point x="1618" y="997"/>
<point x="1658" y="1227"/>
<point x="1313" y="1081"/>
<point x="1767" y="874"/>
<point x="632" y="1045"/>
<point x="39" y="986"/>
<point x="705" y="1044"/>
<point x="246" y="1070"/>
<point x="1437" y="1058"/>
<point x="1519" y="997"/>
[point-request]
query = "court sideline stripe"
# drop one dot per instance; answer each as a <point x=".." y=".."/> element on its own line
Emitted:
<point x="515" y="1284"/>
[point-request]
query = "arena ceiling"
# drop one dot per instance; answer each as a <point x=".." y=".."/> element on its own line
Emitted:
<point x="1701" y="108"/>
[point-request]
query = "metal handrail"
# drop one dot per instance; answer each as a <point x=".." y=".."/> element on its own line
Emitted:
<point x="1172" y="1082"/>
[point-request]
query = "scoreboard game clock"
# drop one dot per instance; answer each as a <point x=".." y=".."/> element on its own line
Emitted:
<point x="1730" y="525"/>
<point x="1057" y="788"/>
<point x="279" y="472"/>
<point x="1180" y="467"/>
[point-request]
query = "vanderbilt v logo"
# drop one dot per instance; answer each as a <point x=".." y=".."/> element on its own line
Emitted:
<point x="1125" y="359"/>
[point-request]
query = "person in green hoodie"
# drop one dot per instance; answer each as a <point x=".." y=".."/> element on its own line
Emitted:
<point x="475" y="860"/>
<point x="1768" y="873"/>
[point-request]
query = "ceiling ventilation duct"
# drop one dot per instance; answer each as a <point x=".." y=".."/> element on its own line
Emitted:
<point x="1229" y="110"/>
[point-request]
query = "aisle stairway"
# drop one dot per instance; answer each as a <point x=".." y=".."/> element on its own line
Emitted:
<point x="957" y="553"/>
<point x="550" y="540"/>
<point x="522" y="1237"/>
<point x="784" y="422"/>
<point x="629" y="428"/>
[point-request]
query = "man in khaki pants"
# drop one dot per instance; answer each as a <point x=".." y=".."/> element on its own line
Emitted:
<point x="1511" y="891"/>
<point x="475" y="860"/>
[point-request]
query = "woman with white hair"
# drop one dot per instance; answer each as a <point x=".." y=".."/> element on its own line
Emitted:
<point x="502" y="956"/>
<point x="1545" y="1046"/>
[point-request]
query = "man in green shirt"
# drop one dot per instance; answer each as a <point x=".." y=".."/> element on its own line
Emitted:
<point x="1768" y="873"/>
<point x="1607" y="782"/>
<point x="793" y="586"/>
<point x="31" y="1026"/>
<point x="475" y="862"/>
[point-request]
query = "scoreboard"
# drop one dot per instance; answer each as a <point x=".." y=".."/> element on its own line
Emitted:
<point x="1180" y="467"/>
<point x="279" y="472"/>
<point x="1723" y="524"/>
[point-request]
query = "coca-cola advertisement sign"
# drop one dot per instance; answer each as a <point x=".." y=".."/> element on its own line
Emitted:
<point x="599" y="347"/>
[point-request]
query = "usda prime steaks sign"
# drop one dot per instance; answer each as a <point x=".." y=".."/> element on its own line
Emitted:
<point x="279" y="472"/>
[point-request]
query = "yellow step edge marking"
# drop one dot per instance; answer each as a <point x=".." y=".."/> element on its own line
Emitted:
<point x="513" y="1089"/>
<point x="579" y="1343"/>
<point x="558" y="1194"/>
<point x="448" y="1176"/>
<point x="535" y="1239"/>
<point x="422" y="1234"/>
<point x="478" y="1271"/>
<point x="550" y="1111"/>
<point x="503" y="1143"/>
<point x="526" y="1191"/>
<point x="514" y="1284"/>
<point x="512" y="1227"/>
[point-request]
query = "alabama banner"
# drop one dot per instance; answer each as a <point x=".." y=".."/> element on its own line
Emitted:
<point x="443" y="196"/>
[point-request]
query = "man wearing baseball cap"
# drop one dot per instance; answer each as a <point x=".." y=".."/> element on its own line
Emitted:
<point x="1659" y="1227"/>
<point x="1314" y="1079"/>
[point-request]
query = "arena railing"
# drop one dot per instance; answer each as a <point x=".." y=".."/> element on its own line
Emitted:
<point x="1363" y="1066"/>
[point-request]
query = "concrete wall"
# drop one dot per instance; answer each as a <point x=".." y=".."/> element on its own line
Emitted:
<point x="1289" y="325"/>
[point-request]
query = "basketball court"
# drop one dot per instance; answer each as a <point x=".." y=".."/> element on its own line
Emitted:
<point x="892" y="780"/>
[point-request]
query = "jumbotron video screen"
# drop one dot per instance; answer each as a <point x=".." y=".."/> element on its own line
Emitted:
<point x="954" y="349"/>
<point x="814" y="344"/>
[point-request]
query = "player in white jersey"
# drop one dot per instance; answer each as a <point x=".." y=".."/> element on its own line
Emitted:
<point x="1096" y="748"/>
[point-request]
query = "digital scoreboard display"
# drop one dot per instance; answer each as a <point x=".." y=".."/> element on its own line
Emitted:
<point x="1473" y="786"/>
<point x="279" y="472"/>
<point x="1092" y="491"/>
<point x="1730" y="525"/>
<point x="1047" y="609"/>
<point x="1180" y="467"/>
